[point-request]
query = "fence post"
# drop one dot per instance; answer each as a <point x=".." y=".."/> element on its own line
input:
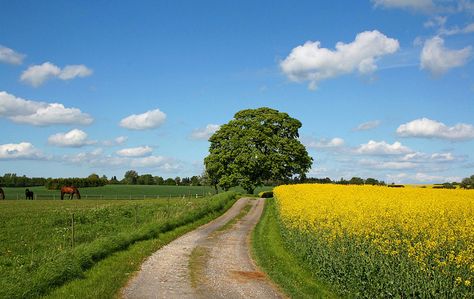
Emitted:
<point x="72" y="229"/>
<point x="54" y="196"/>
<point x="144" y="196"/>
<point x="130" y="196"/>
<point x="136" y="212"/>
<point x="17" y="196"/>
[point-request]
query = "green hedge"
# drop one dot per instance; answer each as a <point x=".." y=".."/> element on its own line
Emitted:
<point x="266" y="194"/>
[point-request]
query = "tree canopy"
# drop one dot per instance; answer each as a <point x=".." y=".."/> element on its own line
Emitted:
<point x="256" y="145"/>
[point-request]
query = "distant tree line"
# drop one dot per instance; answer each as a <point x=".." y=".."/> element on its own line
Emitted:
<point x="91" y="181"/>
<point x="341" y="181"/>
<point x="132" y="177"/>
<point x="13" y="180"/>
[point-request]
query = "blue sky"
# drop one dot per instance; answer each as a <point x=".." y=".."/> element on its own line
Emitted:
<point x="384" y="88"/>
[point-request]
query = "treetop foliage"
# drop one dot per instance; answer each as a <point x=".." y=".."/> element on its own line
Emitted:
<point x="256" y="145"/>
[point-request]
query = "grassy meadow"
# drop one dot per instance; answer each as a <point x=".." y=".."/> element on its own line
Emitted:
<point x="124" y="192"/>
<point x="371" y="241"/>
<point x="116" y="192"/>
<point x="47" y="243"/>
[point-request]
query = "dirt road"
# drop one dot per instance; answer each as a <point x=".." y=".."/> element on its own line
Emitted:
<point x="212" y="261"/>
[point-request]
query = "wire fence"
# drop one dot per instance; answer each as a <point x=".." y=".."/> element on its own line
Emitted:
<point x="20" y="196"/>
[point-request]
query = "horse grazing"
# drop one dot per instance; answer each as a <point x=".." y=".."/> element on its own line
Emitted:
<point x="2" y="194"/>
<point x="29" y="194"/>
<point x="71" y="190"/>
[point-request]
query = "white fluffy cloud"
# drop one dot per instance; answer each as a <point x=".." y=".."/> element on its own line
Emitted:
<point x="418" y="5"/>
<point x="36" y="75"/>
<point x="431" y="158"/>
<point x="148" y="120"/>
<point x="388" y="165"/>
<point x="23" y="150"/>
<point x="469" y="28"/>
<point x="428" y="6"/>
<point x="97" y="158"/>
<point x="368" y="125"/>
<point x="73" y="138"/>
<point x="72" y="71"/>
<point x="382" y="148"/>
<point x="8" y="55"/>
<point x="116" y="141"/>
<point x="160" y="162"/>
<point x="312" y="63"/>
<point x="427" y="128"/>
<point x="204" y="133"/>
<point x="324" y="143"/>
<point x="40" y="113"/>
<point x="421" y="177"/>
<point x="438" y="59"/>
<point x="135" y="151"/>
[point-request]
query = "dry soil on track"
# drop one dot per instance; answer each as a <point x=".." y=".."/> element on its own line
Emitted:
<point x="212" y="261"/>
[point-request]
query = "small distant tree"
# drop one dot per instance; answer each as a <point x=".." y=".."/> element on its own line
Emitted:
<point x="130" y="177"/>
<point x="113" y="180"/>
<point x="195" y="181"/>
<point x="186" y="181"/>
<point x="145" y="179"/>
<point x="159" y="180"/>
<point x="170" y="182"/>
<point x="356" y="181"/>
<point x="467" y="183"/>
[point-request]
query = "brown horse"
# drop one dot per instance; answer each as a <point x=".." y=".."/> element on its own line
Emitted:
<point x="2" y="194"/>
<point x="71" y="190"/>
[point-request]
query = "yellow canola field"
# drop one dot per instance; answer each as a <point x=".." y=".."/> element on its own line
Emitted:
<point x="433" y="227"/>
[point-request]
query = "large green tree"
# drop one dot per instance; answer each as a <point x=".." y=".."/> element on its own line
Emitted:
<point x="257" y="145"/>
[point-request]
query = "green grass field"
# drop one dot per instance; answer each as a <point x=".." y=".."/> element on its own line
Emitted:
<point x="41" y="248"/>
<point x="124" y="192"/>
<point x="117" y="192"/>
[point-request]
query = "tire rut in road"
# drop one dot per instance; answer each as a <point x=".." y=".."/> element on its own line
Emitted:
<point x="222" y="263"/>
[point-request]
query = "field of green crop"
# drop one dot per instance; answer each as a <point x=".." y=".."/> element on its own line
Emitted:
<point x="46" y="243"/>
<point x="124" y="192"/>
<point x="116" y="192"/>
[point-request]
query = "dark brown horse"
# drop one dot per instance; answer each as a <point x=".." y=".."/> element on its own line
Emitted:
<point x="2" y="194"/>
<point x="29" y="194"/>
<point x="71" y="190"/>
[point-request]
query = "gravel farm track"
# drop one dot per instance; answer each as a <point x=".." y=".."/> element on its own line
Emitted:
<point x="213" y="261"/>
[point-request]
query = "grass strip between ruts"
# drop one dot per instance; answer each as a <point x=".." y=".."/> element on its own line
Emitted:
<point x="200" y="254"/>
<point x="281" y="266"/>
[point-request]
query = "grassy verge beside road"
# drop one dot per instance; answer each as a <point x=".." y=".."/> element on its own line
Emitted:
<point x="280" y="265"/>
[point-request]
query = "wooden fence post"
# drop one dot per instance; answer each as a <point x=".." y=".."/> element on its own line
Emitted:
<point x="136" y="212"/>
<point x="72" y="230"/>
